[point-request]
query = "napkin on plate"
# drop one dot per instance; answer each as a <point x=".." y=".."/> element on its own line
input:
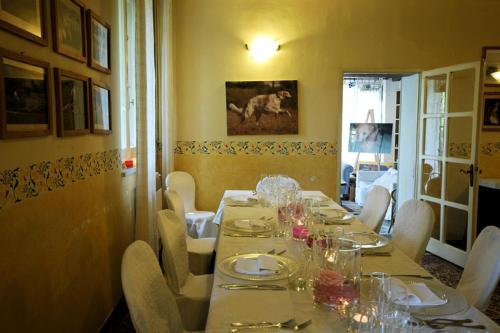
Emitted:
<point x="240" y="200"/>
<point x="262" y="265"/>
<point x="250" y="224"/>
<point x="418" y="294"/>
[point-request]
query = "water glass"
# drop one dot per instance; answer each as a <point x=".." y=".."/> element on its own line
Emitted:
<point x="362" y="318"/>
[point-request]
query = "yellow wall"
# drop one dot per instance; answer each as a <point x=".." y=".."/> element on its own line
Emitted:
<point x="61" y="249"/>
<point x="320" y="40"/>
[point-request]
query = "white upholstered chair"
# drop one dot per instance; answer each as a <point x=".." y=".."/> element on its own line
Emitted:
<point x="482" y="269"/>
<point x="200" y="250"/>
<point x="199" y="222"/>
<point x="192" y="292"/>
<point x="413" y="228"/>
<point x="151" y="304"/>
<point x="376" y="204"/>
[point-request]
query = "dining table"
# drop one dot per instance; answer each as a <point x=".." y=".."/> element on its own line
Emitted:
<point x="255" y="306"/>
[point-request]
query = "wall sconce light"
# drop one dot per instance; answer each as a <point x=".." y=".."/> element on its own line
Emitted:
<point x="494" y="72"/>
<point x="262" y="48"/>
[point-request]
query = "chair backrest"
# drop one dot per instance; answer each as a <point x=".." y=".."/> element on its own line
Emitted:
<point x="347" y="169"/>
<point x="413" y="228"/>
<point x="373" y="212"/>
<point x="151" y="304"/>
<point x="175" y="203"/>
<point x="482" y="269"/>
<point x="183" y="183"/>
<point x="174" y="255"/>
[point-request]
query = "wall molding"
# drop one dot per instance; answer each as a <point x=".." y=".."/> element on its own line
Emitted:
<point x="490" y="148"/>
<point x="256" y="148"/>
<point x="19" y="184"/>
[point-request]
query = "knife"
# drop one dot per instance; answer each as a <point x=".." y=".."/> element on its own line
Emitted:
<point x="244" y="235"/>
<point x="427" y="277"/>
<point x="252" y="286"/>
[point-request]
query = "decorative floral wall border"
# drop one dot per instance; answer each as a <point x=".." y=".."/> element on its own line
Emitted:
<point x="19" y="184"/>
<point x="460" y="150"/>
<point x="256" y="148"/>
<point x="490" y="148"/>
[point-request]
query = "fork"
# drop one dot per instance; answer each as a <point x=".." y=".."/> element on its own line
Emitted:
<point x="289" y="324"/>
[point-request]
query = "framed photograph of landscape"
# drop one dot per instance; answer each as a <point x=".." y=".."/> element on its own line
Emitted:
<point x="99" y="43"/>
<point x="25" y="18"/>
<point x="491" y="111"/>
<point x="72" y="103"/>
<point x="68" y="20"/>
<point x="100" y="108"/>
<point x="262" y="107"/>
<point x="25" y="102"/>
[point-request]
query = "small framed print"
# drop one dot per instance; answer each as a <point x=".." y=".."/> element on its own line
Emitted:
<point x="72" y="104"/>
<point x="491" y="111"/>
<point x="68" y="20"/>
<point x="25" y="90"/>
<point x="100" y="108"/>
<point x="99" y="43"/>
<point x="26" y="18"/>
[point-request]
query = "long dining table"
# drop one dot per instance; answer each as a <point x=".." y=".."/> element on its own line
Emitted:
<point x="227" y="306"/>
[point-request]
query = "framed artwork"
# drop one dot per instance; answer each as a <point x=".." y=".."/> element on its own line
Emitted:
<point x="100" y="108"/>
<point x="68" y="19"/>
<point x="373" y="138"/>
<point x="25" y="90"/>
<point x="491" y="111"/>
<point x="72" y="104"/>
<point x="99" y="43"/>
<point x="25" y="18"/>
<point x="262" y="107"/>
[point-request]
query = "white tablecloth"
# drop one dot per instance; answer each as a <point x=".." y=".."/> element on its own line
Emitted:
<point x="254" y="306"/>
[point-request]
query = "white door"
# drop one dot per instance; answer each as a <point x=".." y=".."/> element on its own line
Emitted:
<point x="447" y="156"/>
<point x="408" y="117"/>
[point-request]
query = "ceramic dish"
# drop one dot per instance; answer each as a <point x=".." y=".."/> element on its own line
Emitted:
<point x="369" y="240"/>
<point x="249" y="226"/>
<point x="286" y="268"/>
<point x="335" y="216"/>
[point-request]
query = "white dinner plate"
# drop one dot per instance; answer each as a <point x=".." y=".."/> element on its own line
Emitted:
<point x="286" y="268"/>
<point x="255" y="226"/>
<point x="335" y="216"/>
<point x="241" y="200"/>
<point x="369" y="240"/>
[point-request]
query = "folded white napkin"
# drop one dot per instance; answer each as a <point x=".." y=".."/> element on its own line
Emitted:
<point x="418" y="294"/>
<point x="262" y="265"/>
<point x="250" y="224"/>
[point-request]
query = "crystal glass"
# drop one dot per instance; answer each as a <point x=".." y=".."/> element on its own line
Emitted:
<point x="362" y="318"/>
<point x="338" y="273"/>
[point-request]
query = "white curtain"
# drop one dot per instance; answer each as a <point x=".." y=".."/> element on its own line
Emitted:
<point x="145" y="228"/>
<point x="164" y="66"/>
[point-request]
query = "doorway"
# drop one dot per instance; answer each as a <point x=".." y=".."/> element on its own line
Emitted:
<point x="386" y="106"/>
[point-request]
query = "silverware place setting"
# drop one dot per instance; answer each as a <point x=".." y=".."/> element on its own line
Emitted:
<point x="425" y="277"/>
<point x="440" y="323"/>
<point x="252" y="287"/>
<point x="247" y="235"/>
<point x="375" y="254"/>
<point x="288" y="324"/>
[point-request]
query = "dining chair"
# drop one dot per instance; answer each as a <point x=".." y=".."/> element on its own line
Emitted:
<point x="151" y="304"/>
<point x="199" y="221"/>
<point x="413" y="228"/>
<point x="200" y="250"/>
<point x="192" y="292"/>
<point x="482" y="269"/>
<point x="375" y="208"/>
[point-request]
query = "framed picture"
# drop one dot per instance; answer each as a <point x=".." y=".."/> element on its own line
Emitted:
<point x="262" y="107"/>
<point x="68" y="20"/>
<point x="491" y="111"/>
<point x="25" y="90"/>
<point x="72" y="104"/>
<point x="373" y="138"/>
<point x="100" y="108"/>
<point x="99" y="43"/>
<point x="25" y="18"/>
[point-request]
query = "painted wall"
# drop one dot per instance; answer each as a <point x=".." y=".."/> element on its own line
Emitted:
<point x="65" y="215"/>
<point x="320" y="40"/>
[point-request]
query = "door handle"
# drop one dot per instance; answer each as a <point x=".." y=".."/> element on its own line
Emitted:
<point x="469" y="172"/>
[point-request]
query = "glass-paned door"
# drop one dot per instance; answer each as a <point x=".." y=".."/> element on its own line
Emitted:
<point x="447" y="156"/>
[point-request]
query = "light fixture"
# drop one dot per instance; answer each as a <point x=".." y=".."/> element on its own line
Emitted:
<point x="494" y="72"/>
<point x="262" y="48"/>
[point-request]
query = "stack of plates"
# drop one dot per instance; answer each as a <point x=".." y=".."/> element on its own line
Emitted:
<point x="335" y="216"/>
<point x="247" y="226"/>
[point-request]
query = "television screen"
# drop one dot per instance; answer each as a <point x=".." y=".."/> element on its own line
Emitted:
<point x="370" y="138"/>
